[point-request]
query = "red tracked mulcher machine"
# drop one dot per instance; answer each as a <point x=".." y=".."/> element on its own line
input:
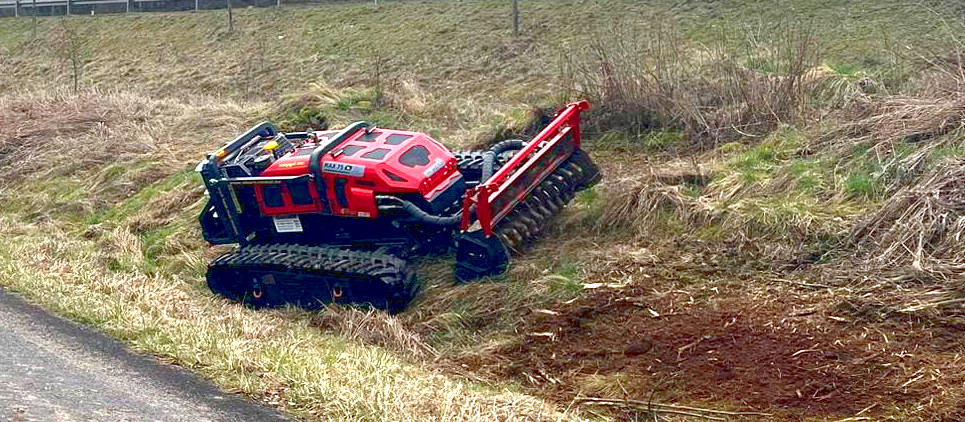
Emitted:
<point x="333" y="216"/>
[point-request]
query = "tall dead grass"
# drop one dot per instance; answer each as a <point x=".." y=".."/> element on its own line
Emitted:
<point x="91" y="150"/>
<point x="643" y="206"/>
<point x="48" y="130"/>
<point x="935" y="109"/>
<point x="921" y="226"/>
<point x="713" y="93"/>
<point x="923" y="223"/>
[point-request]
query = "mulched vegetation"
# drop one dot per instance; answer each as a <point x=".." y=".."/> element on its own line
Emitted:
<point x="780" y="355"/>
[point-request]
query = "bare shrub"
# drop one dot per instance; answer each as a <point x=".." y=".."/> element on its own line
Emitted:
<point x="660" y="79"/>
<point x="71" y="46"/>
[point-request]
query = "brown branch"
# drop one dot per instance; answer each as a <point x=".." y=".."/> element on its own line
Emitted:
<point x="664" y="407"/>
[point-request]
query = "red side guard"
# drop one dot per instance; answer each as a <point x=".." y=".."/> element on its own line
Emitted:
<point x="497" y="196"/>
<point x="479" y="253"/>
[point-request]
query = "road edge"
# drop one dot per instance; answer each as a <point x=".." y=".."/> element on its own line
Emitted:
<point x="233" y="406"/>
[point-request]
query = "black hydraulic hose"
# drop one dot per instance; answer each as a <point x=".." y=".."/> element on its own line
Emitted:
<point x="419" y="215"/>
<point x="489" y="157"/>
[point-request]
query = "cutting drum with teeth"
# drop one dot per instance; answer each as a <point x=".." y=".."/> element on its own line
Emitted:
<point x="334" y="216"/>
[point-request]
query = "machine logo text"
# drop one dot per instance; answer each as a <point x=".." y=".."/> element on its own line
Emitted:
<point x="342" y="168"/>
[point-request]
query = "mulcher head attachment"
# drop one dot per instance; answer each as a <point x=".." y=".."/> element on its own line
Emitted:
<point x="480" y="256"/>
<point x="512" y="206"/>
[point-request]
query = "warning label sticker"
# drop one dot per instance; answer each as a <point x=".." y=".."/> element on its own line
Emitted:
<point x="288" y="224"/>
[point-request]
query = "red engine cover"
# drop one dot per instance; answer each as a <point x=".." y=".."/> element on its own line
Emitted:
<point x="380" y="161"/>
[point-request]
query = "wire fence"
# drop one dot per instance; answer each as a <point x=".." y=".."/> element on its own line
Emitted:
<point x="24" y="8"/>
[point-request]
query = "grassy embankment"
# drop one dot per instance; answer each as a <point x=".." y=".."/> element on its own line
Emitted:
<point x="777" y="230"/>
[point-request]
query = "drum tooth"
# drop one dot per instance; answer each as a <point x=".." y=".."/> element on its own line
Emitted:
<point x="544" y="206"/>
<point x="503" y="238"/>
<point x="547" y="210"/>
<point x="576" y="169"/>
<point x="527" y="220"/>
<point x="517" y="237"/>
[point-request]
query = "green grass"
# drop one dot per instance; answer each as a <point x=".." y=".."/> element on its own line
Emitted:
<point x="863" y="185"/>
<point x="869" y="175"/>
<point x="661" y="140"/>
<point x="153" y="242"/>
<point x="567" y="280"/>
<point x="300" y="117"/>
<point x="759" y="162"/>
<point x="946" y="153"/>
<point x="842" y="69"/>
<point x="592" y="204"/>
<point x="807" y="174"/>
<point x="140" y="200"/>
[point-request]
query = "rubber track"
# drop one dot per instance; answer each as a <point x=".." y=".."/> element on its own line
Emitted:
<point x="470" y="163"/>
<point x="328" y="265"/>
<point x="547" y="200"/>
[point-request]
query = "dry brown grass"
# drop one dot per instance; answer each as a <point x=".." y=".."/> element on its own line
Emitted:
<point x="102" y="147"/>
<point x="922" y="225"/>
<point x="376" y="328"/>
<point x="929" y="118"/>
<point x="919" y="118"/>
<point x="639" y="206"/>
<point x="659" y="79"/>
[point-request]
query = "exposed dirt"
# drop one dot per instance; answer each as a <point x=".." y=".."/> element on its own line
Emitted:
<point x="780" y="356"/>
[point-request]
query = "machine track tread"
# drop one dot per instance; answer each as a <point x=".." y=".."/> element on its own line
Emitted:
<point x="310" y="276"/>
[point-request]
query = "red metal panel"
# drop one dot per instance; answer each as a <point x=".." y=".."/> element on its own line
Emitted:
<point x="378" y="153"/>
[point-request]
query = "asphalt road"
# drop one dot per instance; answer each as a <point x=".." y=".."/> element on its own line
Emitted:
<point x="54" y="370"/>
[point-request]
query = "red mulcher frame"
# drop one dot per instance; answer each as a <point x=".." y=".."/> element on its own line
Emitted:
<point x="496" y="197"/>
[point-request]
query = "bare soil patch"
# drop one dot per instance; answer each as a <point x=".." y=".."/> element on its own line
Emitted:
<point x="783" y="356"/>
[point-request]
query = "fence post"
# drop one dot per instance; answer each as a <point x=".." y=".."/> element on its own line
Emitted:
<point x="515" y="18"/>
<point x="68" y="7"/>
<point x="16" y="8"/>
<point x="129" y="2"/>
<point x="278" y="5"/>
<point x="197" y="5"/>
